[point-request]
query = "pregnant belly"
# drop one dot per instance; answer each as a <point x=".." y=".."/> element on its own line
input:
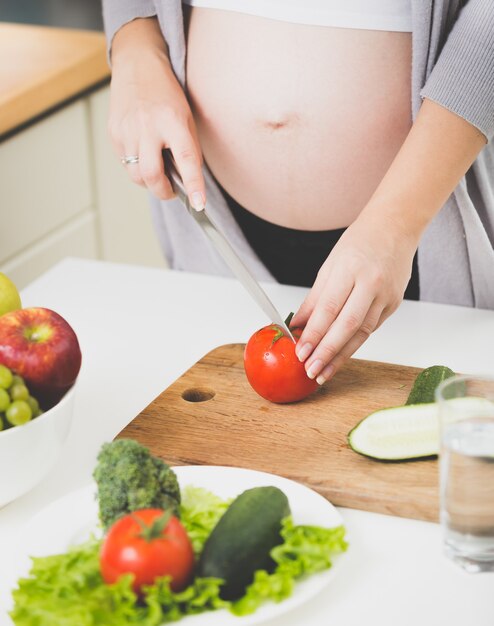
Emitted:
<point x="298" y="123"/>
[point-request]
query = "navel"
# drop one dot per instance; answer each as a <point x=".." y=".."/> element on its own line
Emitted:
<point x="279" y="123"/>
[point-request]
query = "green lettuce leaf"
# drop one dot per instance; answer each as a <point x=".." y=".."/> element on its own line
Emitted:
<point x="202" y="595"/>
<point x="200" y="511"/>
<point x="68" y="590"/>
<point x="305" y="550"/>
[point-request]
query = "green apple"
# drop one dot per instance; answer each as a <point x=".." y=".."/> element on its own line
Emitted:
<point x="9" y="296"/>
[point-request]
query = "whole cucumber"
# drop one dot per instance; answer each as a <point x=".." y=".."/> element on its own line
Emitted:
<point x="426" y="382"/>
<point x="241" y="541"/>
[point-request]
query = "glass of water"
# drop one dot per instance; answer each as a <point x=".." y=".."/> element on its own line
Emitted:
<point x="466" y="470"/>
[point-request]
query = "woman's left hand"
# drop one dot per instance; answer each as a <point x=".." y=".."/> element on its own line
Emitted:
<point x="364" y="278"/>
<point x="361" y="283"/>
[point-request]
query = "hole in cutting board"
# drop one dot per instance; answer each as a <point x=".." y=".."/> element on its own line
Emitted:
<point x="198" y="394"/>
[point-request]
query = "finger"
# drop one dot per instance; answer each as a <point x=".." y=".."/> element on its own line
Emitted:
<point x="302" y="315"/>
<point x="188" y="159"/>
<point x="132" y="168"/>
<point x="299" y="320"/>
<point x="152" y="169"/>
<point x="387" y="312"/>
<point x="131" y="149"/>
<point x="369" y="325"/>
<point x="116" y="140"/>
<point x="328" y="306"/>
<point x="195" y="137"/>
<point x="349" y="321"/>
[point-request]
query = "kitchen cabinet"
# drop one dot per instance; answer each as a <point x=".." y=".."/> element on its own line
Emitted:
<point x="62" y="190"/>
<point x="46" y="194"/>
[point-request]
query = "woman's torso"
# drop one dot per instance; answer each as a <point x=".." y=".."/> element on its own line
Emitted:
<point x="297" y="123"/>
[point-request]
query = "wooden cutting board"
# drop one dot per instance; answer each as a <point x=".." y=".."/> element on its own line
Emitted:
<point x="211" y="416"/>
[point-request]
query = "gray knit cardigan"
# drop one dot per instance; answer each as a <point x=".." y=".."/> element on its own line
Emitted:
<point x="453" y="65"/>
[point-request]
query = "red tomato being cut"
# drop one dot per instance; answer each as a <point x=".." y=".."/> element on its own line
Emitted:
<point x="148" y="543"/>
<point x="272" y="367"/>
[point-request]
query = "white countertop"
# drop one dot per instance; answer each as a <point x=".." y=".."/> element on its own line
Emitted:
<point x="141" y="328"/>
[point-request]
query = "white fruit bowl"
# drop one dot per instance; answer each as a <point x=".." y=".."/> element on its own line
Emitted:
<point x="28" y="452"/>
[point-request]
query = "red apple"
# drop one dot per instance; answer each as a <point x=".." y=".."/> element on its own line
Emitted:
<point x="39" y="345"/>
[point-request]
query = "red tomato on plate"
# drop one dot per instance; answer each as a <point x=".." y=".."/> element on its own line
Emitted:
<point x="272" y="367"/>
<point x="148" y="545"/>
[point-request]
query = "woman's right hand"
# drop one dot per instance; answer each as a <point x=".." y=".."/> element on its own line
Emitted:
<point x="149" y="112"/>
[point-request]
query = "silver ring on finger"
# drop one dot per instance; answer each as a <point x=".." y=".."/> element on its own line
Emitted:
<point x="129" y="159"/>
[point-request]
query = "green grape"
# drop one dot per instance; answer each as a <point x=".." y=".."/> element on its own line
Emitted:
<point x="19" y="412"/>
<point x="17" y="380"/>
<point x="19" y="392"/>
<point x="5" y="377"/>
<point x="4" y="400"/>
<point x="1" y="421"/>
<point x="34" y="405"/>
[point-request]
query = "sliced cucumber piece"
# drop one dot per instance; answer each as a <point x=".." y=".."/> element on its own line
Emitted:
<point x="407" y="432"/>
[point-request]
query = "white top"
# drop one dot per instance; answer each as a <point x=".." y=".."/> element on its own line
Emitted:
<point x="389" y="15"/>
<point x="135" y="342"/>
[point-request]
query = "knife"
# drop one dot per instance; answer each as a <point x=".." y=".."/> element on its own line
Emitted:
<point x="223" y="247"/>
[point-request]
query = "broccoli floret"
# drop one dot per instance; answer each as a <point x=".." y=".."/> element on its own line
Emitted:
<point x="130" y="478"/>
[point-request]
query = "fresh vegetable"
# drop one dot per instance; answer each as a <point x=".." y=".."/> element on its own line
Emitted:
<point x="426" y="383"/>
<point x="17" y="406"/>
<point x="272" y="367"/>
<point x="68" y="589"/>
<point x="200" y="511"/>
<point x="404" y="432"/>
<point x="129" y="478"/>
<point x="148" y="544"/>
<point x="242" y="540"/>
<point x="397" y="433"/>
<point x="305" y="550"/>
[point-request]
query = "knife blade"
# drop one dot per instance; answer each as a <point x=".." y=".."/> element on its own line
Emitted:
<point x="224" y="248"/>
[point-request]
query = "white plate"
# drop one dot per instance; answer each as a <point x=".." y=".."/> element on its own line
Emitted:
<point x="72" y="518"/>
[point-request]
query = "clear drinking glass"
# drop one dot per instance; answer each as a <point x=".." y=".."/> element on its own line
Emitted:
<point x="466" y="470"/>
